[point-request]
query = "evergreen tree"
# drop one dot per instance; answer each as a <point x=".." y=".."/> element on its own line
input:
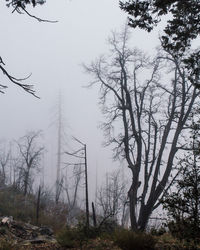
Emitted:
<point x="23" y="3"/>
<point x="183" y="205"/>
<point x="183" y="27"/>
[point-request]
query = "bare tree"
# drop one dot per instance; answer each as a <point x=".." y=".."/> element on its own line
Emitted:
<point x="81" y="156"/>
<point x="71" y="186"/>
<point x="146" y="105"/>
<point x="112" y="197"/>
<point x="30" y="155"/>
<point x="4" y="163"/>
<point x="60" y="147"/>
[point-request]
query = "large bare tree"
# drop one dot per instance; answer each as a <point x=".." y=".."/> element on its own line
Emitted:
<point x="146" y="103"/>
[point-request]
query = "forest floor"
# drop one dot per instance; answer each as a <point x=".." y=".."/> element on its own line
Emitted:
<point x="16" y="235"/>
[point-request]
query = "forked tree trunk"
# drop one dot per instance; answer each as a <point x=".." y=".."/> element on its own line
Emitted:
<point x="153" y="114"/>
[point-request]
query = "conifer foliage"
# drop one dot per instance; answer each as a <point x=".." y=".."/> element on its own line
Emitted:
<point x="183" y="205"/>
<point x="23" y="3"/>
<point x="183" y="27"/>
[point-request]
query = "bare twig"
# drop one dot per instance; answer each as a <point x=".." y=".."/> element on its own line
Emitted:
<point x="17" y="81"/>
<point x="37" y="18"/>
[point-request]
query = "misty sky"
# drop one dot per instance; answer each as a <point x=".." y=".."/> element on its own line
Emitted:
<point x="53" y="53"/>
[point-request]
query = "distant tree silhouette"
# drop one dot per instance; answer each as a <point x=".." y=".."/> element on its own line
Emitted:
<point x="112" y="197"/>
<point x="29" y="157"/>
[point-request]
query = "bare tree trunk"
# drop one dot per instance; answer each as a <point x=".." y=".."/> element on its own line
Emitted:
<point x="133" y="205"/>
<point x="86" y="189"/>
<point x="38" y="205"/>
<point x="58" y="177"/>
<point x="94" y="215"/>
<point x="150" y="116"/>
<point x="26" y="182"/>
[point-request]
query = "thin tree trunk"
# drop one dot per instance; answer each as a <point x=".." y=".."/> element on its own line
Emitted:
<point x="38" y="205"/>
<point x="94" y="215"/>
<point x="132" y="200"/>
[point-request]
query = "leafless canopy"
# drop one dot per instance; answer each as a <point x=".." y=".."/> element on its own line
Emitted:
<point x="146" y="103"/>
<point x="112" y="198"/>
<point x="29" y="156"/>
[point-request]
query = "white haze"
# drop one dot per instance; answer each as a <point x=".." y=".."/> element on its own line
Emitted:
<point x="53" y="53"/>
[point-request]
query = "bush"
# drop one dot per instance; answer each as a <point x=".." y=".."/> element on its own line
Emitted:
<point x="7" y="245"/>
<point x="183" y="204"/>
<point x="72" y="237"/>
<point x="13" y="203"/>
<point x="167" y="241"/>
<point x="184" y="229"/>
<point x="129" y="240"/>
<point x="157" y="231"/>
<point x="66" y="238"/>
<point x="93" y="232"/>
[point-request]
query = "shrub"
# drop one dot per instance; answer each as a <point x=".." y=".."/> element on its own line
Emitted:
<point x="129" y="240"/>
<point x="109" y="226"/>
<point x="7" y="245"/>
<point x="183" y="205"/>
<point x="157" y="231"/>
<point x="72" y="237"/>
<point x="184" y="229"/>
<point x="13" y="203"/>
<point x="168" y="242"/>
<point x="66" y="237"/>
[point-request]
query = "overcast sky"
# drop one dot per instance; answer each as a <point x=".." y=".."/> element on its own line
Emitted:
<point x="53" y="53"/>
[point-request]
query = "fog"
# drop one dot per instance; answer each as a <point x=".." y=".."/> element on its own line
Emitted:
<point x="53" y="54"/>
